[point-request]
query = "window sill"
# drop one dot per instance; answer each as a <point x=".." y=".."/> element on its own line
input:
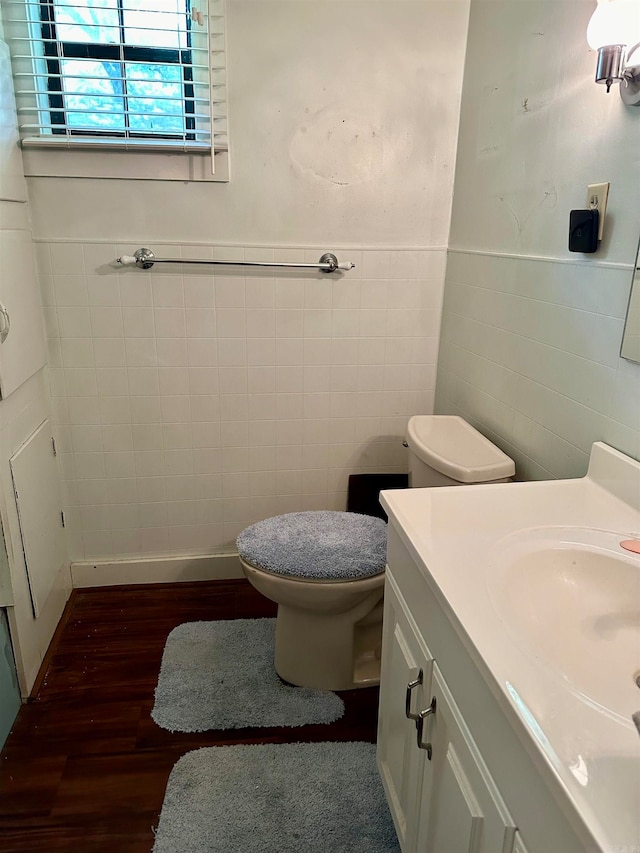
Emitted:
<point x="120" y="164"/>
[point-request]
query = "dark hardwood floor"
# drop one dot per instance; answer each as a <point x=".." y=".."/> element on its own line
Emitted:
<point x="85" y="767"/>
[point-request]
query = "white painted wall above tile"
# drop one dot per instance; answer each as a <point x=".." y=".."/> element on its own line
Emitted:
<point x="343" y="125"/>
<point x="532" y="139"/>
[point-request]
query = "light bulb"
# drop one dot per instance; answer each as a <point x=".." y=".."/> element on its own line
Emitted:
<point x="614" y="22"/>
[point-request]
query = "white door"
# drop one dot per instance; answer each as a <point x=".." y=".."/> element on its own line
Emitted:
<point x="37" y="493"/>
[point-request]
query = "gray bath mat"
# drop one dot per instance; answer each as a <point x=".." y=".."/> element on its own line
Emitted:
<point x="276" y="798"/>
<point x="220" y="675"/>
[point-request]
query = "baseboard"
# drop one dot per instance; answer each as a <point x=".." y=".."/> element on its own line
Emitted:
<point x="156" y="570"/>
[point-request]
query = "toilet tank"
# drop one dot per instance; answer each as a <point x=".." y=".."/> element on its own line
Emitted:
<point x="445" y="450"/>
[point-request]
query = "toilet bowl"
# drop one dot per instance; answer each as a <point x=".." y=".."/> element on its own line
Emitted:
<point x="325" y="570"/>
<point x="328" y="635"/>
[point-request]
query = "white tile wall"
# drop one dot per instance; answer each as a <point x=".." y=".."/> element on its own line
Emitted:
<point x="530" y="354"/>
<point x="189" y="404"/>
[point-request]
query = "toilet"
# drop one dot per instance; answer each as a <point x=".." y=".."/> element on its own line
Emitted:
<point x="325" y="570"/>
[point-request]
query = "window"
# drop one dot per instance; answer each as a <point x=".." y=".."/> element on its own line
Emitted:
<point x="118" y="71"/>
<point x="129" y="76"/>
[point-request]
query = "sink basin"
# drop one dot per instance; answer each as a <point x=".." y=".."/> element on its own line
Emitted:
<point x="570" y="597"/>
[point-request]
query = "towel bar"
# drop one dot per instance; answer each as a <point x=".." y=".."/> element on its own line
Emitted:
<point x="145" y="259"/>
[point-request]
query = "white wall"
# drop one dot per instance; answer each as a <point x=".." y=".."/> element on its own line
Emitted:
<point x="343" y="124"/>
<point x="22" y="411"/>
<point x="191" y="405"/>
<point x="531" y="333"/>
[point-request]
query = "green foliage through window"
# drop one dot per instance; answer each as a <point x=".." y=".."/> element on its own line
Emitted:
<point x="119" y="67"/>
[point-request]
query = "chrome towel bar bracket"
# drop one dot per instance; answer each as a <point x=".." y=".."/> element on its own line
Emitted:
<point x="145" y="259"/>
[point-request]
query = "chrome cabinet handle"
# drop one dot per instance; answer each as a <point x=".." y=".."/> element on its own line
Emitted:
<point x="420" y="725"/>
<point x="407" y="702"/>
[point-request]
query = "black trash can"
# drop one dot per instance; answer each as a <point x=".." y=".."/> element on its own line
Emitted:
<point x="364" y="489"/>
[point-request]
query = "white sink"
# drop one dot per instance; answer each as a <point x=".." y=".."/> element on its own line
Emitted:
<point x="570" y="597"/>
<point x="533" y="579"/>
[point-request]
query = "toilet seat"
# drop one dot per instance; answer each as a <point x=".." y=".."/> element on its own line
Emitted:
<point x="318" y="546"/>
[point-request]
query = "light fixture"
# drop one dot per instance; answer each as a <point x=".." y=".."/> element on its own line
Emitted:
<point x="614" y="31"/>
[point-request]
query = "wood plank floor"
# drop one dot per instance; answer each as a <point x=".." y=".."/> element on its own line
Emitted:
<point x="85" y="767"/>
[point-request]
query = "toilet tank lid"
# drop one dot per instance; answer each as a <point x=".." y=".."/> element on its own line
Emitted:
<point x="453" y="447"/>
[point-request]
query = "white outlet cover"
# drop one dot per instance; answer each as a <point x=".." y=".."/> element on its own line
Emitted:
<point x="597" y="195"/>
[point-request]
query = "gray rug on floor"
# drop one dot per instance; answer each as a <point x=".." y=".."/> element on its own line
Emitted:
<point x="276" y="798"/>
<point x="220" y="675"/>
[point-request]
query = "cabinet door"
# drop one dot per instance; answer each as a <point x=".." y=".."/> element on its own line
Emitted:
<point x="405" y="662"/>
<point x="35" y="481"/>
<point x="461" y="810"/>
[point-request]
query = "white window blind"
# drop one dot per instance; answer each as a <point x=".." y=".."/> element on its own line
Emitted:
<point x="124" y="74"/>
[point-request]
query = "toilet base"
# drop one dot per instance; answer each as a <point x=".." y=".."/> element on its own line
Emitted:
<point x="330" y="652"/>
<point x="328" y="634"/>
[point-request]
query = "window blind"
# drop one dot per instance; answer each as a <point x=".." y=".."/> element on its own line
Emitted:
<point x="128" y="74"/>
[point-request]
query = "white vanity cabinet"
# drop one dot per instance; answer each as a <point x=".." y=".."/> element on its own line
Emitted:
<point x="467" y="782"/>
<point x="441" y="795"/>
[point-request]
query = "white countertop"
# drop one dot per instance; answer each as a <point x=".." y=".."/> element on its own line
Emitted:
<point x="456" y="536"/>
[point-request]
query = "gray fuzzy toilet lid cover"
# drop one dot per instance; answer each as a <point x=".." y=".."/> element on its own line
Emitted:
<point x="317" y="545"/>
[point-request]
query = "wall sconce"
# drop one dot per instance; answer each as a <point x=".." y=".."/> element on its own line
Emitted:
<point x="614" y="31"/>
